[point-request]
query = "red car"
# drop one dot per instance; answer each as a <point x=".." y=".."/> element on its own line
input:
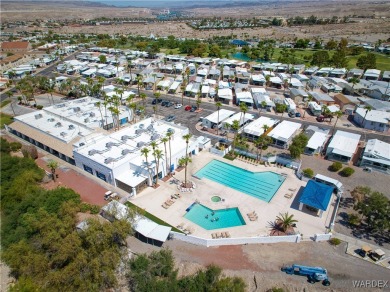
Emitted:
<point x="188" y="108"/>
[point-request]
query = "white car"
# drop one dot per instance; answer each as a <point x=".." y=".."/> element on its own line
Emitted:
<point x="179" y="105"/>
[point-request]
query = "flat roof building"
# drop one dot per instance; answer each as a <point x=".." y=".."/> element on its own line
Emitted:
<point x="216" y="118"/>
<point x="372" y="120"/>
<point x="283" y="133"/>
<point x="317" y="139"/>
<point x="256" y="128"/>
<point x="376" y="155"/>
<point x="343" y="146"/>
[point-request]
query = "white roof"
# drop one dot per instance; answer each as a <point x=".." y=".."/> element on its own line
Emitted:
<point x="223" y="114"/>
<point x="377" y="149"/>
<point x="333" y="181"/>
<point x="225" y="93"/>
<point x="284" y="130"/>
<point x="255" y="128"/>
<point x="205" y="89"/>
<point x="333" y="108"/>
<point x="317" y="140"/>
<point x="374" y="115"/>
<point x="344" y="143"/>
<point x="258" y="90"/>
<point x="258" y="77"/>
<point x="240" y="118"/>
<point x="151" y="229"/>
<point x="244" y="96"/>
<point x="174" y="85"/>
<point x="276" y="80"/>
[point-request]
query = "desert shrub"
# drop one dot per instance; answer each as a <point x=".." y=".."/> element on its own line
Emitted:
<point x="334" y="241"/>
<point x="15" y="146"/>
<point x="353" y="219"/>
<point x="347" y="171"/>
<point x="29" y="151"/>
<point x="308" y="172"/>
<point x="336" y="166"/>
<point x="39" y="107"/>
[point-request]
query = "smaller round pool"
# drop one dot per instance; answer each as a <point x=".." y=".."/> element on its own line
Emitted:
<point x="216" y="199"/>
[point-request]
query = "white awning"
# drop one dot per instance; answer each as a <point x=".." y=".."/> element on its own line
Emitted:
<point x="151" y="229"/>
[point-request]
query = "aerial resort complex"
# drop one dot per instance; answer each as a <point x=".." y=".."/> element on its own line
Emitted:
<point x="194" y="146"/>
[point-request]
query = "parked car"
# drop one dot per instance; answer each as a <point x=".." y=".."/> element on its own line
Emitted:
<point x="187" y="108"/>
<point x="179" y="105"/>
<point x="193" y="108"/>
<point x="164" y="103"/>
<point x="138" y="112"/>
<point x="298" y="115"/>
<point x="107" y="195"/>
<point x="169" y="104"/>
<point x="320" y="118"/>
<point x="170" y="118"/>
<point x="155" y="101"/>
<point x="291" y="114"/>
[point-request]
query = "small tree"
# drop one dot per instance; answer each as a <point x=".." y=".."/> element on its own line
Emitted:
<point x="285" y="221"/>
<point x="308" y="172"/>
<point x="336" y="166"/>
<point x="298" y="145"/>
<point x="347" y="171"/>
<point x="53" y="165"/>
<point x="334" y="241"/>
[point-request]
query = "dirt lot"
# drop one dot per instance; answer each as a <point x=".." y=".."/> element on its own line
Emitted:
<point x="264" y="261"/>
<point x="364" y="29"/>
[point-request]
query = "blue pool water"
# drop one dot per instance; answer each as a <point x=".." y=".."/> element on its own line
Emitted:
<point x="261" y="185"/>
<point x="207" y="218"/>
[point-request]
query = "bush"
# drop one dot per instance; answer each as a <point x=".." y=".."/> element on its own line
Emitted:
<point x="334" y="241"/>
<point x="347" y="171"/>
<point x="308" y="172"/>
<point x="353" y="219"/>
<point x="336" y="166"/>
<point x="15" y="146"/>
<point x="39" y="107"/>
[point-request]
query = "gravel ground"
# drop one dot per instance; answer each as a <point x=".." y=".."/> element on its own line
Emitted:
<point x="264" y="261"/>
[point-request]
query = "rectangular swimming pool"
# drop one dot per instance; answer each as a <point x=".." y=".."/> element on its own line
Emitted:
<point x="261" y="185"/>
<point x="214" y="219"/>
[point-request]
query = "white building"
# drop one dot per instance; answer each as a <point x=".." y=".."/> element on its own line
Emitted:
<point x="317" y="139"/>
<point x="372" y="120"/>
<point x="245" y="97"/>
<point x="343" y="146"/>
<point x="117" y="158"/>
<point x="256" y="128"/>
<point x="283" y="133"/>
<point x="225" y="95"/>
<point x="242" y="120"/>
<point x="216" y="118"/>
<point x="376" y="155"/>
<point x="291" y="106"/>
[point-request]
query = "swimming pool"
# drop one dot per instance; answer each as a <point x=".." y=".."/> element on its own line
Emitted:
<point x="214" y="219"/>
<point x="261" y="185"/>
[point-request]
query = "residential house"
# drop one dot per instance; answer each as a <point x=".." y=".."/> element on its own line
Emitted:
<point x="317" y="139"/>
<point x="244" y="97"/>
<point x="321" y="98"/>
<point x="343" y="146"/>
<point x="386" y="76"/>
<point x="310" y="71"/>
<point x="357" y="73"/>
<point x="372" y="74"/>
<point x="345" y="101"/>
<point x="215" y="119"/>
<point x="372" y="120"/>
<point x="283" y="133"/>
<point x="256" y="128"/>
<point x="298" y="95"/>
<point x="376" y="155"/>
<point x="375" y="104"/>
<point x="225" y="95"/>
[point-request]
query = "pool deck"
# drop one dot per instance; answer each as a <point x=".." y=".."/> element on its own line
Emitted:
<point x="308" y="224"/>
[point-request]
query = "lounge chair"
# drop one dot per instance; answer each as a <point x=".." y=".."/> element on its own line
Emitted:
<point x="251" y="214"/>
<point x="178" y="195"/>
<point x="165" y="206"/>
<point x="253" y="218"/>
<point x="222" y="234"/>
<point x="293" y="190"/>
<point x="213" y="235"/>
<point x="168" y="202"/>
<point x="180" y="226"/>
<point x="174" y="197"/>
<point x="227" y="234"/>
<point x="288" y="196"/>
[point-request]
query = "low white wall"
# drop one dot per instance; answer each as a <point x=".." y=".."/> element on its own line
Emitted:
<point x="235" y="241"/>
<point x="322" y="237"/>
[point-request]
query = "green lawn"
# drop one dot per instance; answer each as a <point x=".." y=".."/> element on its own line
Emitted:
<point x="5" y="120"/>
<point x="150" y="216"/>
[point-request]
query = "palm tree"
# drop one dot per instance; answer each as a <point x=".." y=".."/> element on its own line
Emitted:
<point x="145" y="152"/>
<point x="99" y="106"/>
<point x="354" y="81"/>
<point x="165" y="140"/>
<point x="143" y="97"/>
<point x="198" y="101"/>
<point x="235" y="127"/>
<point x="157" y="156"/>
<point x="265" y="128"/>
<point x="285" y="221"/>
<point x="53" y="165"/>
<point x="218" y="104"/>
<point x="184" y="162"/>
<point x="133" y="107"/>
<point x="368" y="108"/>
<point x="243" y="109"/>
<point x="338" y="115"/>
<point x="183" y="88"/>
<point x="156" y="96"/>
<point x="263" y="104"/>
<point x="187" y="138"/>
<point x="261" y="144"/>
<point x="309" y="99"/>
<point x="139" y="84"/>
<point x="169" y="136"/>
<point x="267" y="80"/>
